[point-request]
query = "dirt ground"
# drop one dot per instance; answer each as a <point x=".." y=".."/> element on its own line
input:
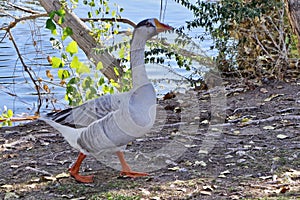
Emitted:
<point x="231" y="142"/>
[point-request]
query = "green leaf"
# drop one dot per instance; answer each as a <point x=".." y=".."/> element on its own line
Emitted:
<point x="113" y="13"/>
<point x="83" y="69"/>
<point x="91" y="93"/>
<point x="61" y="20"/>
<point x="52" y="14"/>
<point x="79" y="66"/>
<point x="90" y="15"/>
<point x="9" y="123"/>
<point x="101" y="81"/>
<point x="99" y="66"/>
<point x="10" y="113"/>
<point x="63" y="74"/>
<point x="66" y="32"/>
<point x="111" y="90"/>
<point x="74" y="80"/>
<point x="51" y="26"/>
<point x="75" y="63"/>
<point x="72" y="48"/>
<point x="116" y="71"/>
<point x="87" y="82"/>
<point x="113" y="83"/>
<point x="61" y="12"/>
<point x="122" y="53"/>
<point x="57" y="62"/>
<point x="105" y="89"/>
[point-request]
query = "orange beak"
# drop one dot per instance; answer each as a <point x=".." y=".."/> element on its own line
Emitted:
<point x="160" y="27"/>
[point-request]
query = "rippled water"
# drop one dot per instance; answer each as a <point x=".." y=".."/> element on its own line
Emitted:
<point x="16" y="89"/>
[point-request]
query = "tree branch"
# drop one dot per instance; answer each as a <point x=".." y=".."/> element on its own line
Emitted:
<point x="26" y="68"/>
<point x="17" y="20"/>
<point x="125" y="21"/>
<point x="23" y="8"/>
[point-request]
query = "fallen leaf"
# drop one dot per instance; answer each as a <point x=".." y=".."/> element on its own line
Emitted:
<point x="201" y="163"/>
<point x="169" y="95"/>
<point x="265" y="177"/>
<point x="273" y="96"/>
<point x="233" y="117"/>
<point x="208" y="187"/>
<point x="225" y="172"/>
<point x="6" y="186"/>
<point x="282" y="136"/>
<point x="202" y="151"/>
<point x="10" y="155"/>
<point x="228" y="156"/>
<point x="203" y="192"/>
<point x="191" y="145"/>
<point x="205" y="122"/>
<point x="241" y="160"/>
<point x="62" y="175"/>
<point x="269" y="127"/>
<point x="145" y="192"/>
<point x="188" y="163"/>
<point x="48" y="178"/>
<point x="221" y="176"/>
<point x="244" y="120"/>
<point x="263" y="90"/>
<point x="174" y="168"/>
<point x="284" y="189"/>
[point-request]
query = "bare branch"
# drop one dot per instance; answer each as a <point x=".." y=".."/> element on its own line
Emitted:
<point x="27" y="69"/>
<point x="125" y="21"/>
<point x="17" y="20"/>
<point x="23" y="8"/>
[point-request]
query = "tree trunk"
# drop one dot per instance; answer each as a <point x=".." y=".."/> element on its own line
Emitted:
<point x="293" y="11"/>
<point x="81" y="34"/>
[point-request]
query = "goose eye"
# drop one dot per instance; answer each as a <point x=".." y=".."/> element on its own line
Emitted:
<point x="148" y="24"/>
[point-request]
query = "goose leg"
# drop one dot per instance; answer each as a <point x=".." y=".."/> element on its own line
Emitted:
<point x="75" y="169"/>
<point x="126" y="171"/>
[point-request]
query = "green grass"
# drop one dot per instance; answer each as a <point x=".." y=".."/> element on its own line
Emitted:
<point x="110" y="196"/>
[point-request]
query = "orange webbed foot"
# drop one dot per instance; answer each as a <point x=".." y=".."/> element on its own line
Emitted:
<point x="82" y="179"/>
<point x="133" y="174"/>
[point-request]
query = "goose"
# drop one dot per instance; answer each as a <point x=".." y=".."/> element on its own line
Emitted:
<point x="110" y="122"/>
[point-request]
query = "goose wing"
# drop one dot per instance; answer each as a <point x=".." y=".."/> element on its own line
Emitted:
<point x="85" y="114"/>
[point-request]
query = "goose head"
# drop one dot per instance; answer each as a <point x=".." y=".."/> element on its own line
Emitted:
<point x="150" y="27"/>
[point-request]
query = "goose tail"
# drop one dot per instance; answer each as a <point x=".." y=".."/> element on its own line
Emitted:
<point x="70" y="134"/>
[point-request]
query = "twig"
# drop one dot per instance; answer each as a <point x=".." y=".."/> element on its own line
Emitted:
<point x="245" y="109"/>
<point x="17" y="20"/>
<point x="260" y="121"/>
<point x="125" y="21"/>
<point x="19" y="119"/>
<point x="26" y="68"/>
<point x="39" y="171"/>
<point x="23" y="8"/>
<point x="274" y="118"/>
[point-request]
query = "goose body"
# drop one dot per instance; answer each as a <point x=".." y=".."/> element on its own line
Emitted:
<point x="108" y="123"/>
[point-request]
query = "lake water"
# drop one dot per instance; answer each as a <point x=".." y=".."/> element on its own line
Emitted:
<point x="16" y="89"/>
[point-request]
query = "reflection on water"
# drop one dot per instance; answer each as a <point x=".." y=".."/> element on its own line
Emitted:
<point x="16" y="88"/>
